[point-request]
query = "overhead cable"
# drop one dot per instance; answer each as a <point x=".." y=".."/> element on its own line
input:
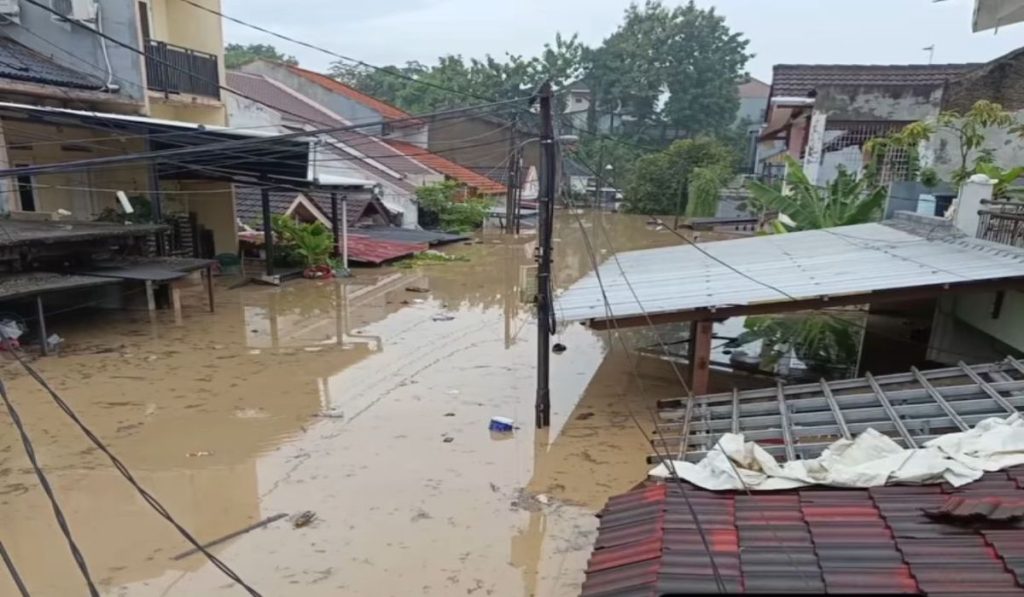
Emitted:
<point x="58" y="513"/>
<point x="151" y="500"/>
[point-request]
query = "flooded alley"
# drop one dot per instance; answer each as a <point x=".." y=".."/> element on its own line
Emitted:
<point x="365" y="402"/>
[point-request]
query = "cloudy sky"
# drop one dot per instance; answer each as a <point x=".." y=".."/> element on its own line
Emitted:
<point x="780" y="31"/>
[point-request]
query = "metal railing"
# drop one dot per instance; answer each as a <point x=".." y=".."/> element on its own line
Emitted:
<point x="173" y="69"/>
<point x="1002" y="222"/>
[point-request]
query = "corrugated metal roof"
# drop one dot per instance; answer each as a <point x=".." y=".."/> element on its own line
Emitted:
<point x="911" y="408"/>
<point x="22" y="64"/>
<point x="910" y="251"/>
<point x="365" y="249"/>
<point x="406" y="235"/>
<point x="812" y="540"/>
<point x="797" y="80"/>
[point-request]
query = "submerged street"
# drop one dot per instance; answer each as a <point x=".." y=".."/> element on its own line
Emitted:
<point x="259" y="410"/>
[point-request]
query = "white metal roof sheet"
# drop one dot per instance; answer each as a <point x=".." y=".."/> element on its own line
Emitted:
<point x="803" y="265"/>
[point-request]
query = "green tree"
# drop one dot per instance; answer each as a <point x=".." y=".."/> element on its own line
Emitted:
<point x="675" y="67"/>
<point x="828" y="344"/>
<point x="454" y="80"/>
<point x="804" y="206"/>
<point x="238" y="55"/>
<point x="659" y="181"/>
<point x="443" y="204"/>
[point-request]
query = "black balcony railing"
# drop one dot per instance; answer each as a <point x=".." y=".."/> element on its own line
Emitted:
<point x="1002" y="222"/>
<point x="173" y="69"/>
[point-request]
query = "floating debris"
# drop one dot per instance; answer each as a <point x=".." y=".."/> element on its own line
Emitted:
<point x="303" y="519"/>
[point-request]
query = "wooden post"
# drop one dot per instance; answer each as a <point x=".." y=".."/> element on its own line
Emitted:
<point x="268" y="231"/>
<point x="209" y="285"/>
<point x="334" y="224"/>
<point x="344" y="231"/>
<point x="176" y="301"/>
<point x="700" y="355"/>
<point x="43" y="342"/>
<point x="150" y="296"/>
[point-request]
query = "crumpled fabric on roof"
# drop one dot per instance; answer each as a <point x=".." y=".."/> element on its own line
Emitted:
<point x="869" y="460"/>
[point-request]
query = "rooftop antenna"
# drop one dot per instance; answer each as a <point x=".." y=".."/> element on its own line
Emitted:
<point x="931" y="53"/>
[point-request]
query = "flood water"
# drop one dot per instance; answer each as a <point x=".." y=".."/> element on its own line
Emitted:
<point x="351" y="400"/>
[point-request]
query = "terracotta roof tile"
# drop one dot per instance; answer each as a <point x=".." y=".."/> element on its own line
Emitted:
<point x="811" y="540"/>
<point x="385" y="109"/>
<point x="482" y="184"/>
<point x="797" y="80"/>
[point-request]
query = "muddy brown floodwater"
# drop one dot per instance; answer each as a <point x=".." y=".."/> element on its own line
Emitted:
<point x="354" y="401"/>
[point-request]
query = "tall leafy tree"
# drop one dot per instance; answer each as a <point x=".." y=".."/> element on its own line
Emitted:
<point x="660" y="182"/>
<point x="673" y="68"/>
<point x="454" y="80"/>
<point x="237" y="55"/>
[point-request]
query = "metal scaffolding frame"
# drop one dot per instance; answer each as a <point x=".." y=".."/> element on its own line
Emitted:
<point x="798" y="422"/>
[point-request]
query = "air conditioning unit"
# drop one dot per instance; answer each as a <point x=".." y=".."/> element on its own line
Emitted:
<point x="10" y="12"/>
<point x="82" y="11"/>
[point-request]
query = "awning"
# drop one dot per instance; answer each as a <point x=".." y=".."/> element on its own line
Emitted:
<point x="993" y="14"/>
<point x="286" y="159"/>
<point x="909" y="257"/>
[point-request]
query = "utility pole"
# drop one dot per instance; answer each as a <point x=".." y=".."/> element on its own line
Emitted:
<point x="510" y="179"/>
<point x="545" y="215"/>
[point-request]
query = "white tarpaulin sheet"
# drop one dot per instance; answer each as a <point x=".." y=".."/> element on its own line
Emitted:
<point x="869" y="460"/>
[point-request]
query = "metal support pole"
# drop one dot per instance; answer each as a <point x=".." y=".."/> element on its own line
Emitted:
<point x="344" y="232"/>
<point x="156" y="198"/>
<point x="334" y="224"/>
<point x="510" y="191"/>
<point x="268" y="231"/>
<point x="545" y="212"/>
<point x="43" y="342"/>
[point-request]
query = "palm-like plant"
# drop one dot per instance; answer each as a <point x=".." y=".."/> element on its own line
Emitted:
<point x="805" y="206"/>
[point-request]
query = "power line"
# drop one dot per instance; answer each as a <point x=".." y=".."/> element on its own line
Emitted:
<point x="121" y="468"/>
<point x="228" y="145"/>
<point x="337" y="55"/>
<point x="58" y="513"/>
<point x="149" y="57"/>
<point x="824" y="312"/>
<point x="13" y="570"/>
<point x="665" y="461"/>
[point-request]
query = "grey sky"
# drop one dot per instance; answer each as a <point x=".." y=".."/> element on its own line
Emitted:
<point x="780" y="31"/>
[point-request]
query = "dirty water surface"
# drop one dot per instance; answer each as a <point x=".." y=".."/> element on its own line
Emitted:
<point x="359" y="412"/>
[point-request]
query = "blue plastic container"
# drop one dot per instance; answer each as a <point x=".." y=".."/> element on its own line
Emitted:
<point x="502" y="424"/>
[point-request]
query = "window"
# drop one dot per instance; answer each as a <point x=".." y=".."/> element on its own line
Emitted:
<point x="144" y="24"/>
<point x="26" y="193"/>
<point x="578" y="100"/>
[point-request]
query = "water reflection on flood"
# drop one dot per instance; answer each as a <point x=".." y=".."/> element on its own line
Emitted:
<point x="355" y="401"/>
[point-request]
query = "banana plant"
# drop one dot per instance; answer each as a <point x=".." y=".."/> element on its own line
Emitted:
<point x="805" y="206"/>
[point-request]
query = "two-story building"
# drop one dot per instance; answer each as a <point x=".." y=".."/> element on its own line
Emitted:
<point x="86" y="79"/>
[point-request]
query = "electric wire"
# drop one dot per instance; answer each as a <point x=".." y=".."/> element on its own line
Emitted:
<point x="13" y="570"/>
<point x="824" y="312"/>
<point x="58" y="513"/>
<point x="151" y="500"/>
<point x="666" y="461"/>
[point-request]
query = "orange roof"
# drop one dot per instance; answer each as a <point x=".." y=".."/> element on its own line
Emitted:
<point x="482" y="184"/>
<point x="385" y="109"/>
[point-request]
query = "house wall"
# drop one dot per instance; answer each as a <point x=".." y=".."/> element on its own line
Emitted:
<point x="38" y="144"/>
<point x="953" y="339"/>
<point x="479" y="144"/>
<point x="879" y="103"/>
<point x="82" y="49"/>
<point x="213" y="202"/>
<point x="187" y="26"/>
<point x="342" y="106"/>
